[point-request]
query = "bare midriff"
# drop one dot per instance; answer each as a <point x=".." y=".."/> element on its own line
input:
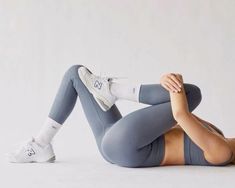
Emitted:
<point x="174" y="147"/>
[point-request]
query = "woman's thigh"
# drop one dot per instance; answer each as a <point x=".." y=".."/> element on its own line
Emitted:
<point x="133" y="140"/>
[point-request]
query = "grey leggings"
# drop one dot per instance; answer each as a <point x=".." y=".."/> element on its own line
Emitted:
<point x="125" y="141"/>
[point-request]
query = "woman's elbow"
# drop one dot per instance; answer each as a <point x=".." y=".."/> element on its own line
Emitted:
<point x="219" y="155"/>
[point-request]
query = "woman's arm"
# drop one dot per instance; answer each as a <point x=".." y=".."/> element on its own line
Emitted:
<point x="209" y="142"/>
<point x="211" y="126"/>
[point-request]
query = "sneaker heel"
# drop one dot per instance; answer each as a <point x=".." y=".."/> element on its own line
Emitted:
<point x="51" y="160"/>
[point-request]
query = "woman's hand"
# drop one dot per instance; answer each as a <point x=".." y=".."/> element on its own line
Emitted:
<point x="172" y="82"/>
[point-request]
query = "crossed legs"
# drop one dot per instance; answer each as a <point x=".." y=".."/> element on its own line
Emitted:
<point x="126" y="141"/>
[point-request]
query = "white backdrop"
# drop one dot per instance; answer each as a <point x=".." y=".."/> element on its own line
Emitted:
<point x="140" y="39"/>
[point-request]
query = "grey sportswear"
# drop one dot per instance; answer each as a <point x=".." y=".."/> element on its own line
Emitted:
<point x="135" y="140"/>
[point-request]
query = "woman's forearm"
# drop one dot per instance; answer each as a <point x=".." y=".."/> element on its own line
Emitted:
<point x="179" y="103"/>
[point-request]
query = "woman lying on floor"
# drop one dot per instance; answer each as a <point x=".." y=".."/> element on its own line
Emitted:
<point x="163" y="133"/>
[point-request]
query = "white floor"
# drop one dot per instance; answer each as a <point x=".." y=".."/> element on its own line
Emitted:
<point x="90" y="171"/>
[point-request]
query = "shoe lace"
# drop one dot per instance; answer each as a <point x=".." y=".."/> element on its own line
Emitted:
<point x="28" y="149"/>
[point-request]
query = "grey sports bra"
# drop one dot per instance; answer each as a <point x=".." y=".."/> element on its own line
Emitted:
<point x="194" y="155"/>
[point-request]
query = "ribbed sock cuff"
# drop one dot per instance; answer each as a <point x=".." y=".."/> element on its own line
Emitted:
<point x="47" y="132"/>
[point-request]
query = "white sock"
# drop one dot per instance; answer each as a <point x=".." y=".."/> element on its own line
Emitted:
<point x="125" y="91"/>
<point x="47" y="132"/>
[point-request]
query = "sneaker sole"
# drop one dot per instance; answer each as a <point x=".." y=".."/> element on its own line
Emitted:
<point x="102" y="104"/>
<point x="50" y="160"/>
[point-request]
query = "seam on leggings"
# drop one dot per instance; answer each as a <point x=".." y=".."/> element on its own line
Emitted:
<point x="102" y="123"/>
<point x="155" y="154"/>
<point x="148" y="155"/>
<point x="161" y="152"/>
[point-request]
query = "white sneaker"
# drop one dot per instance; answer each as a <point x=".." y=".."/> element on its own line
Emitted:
<point x="32" y="152"/>
<point x="99" y="87"/>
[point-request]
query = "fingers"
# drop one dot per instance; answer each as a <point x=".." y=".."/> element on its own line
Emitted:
<point x="167" y="87"/>
<point x="172" y="82"/>
<point x="174" y="85"/>
<point x="171" y="88"/>
<point x="176" y="79"/>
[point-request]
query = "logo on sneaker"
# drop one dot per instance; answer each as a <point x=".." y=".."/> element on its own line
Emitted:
<point x="30" y="152"/>
<point x="98" y="84"/>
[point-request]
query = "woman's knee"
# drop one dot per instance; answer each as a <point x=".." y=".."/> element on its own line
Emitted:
<point x="73" y="68"/>
<point x="72" y="71"/>
<point x="193" y="94"/>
